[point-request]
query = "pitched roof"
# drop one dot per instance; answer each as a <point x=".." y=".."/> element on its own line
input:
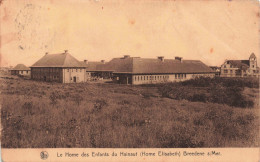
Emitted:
<point x="147" y="65"/>
<point x="241" y="64"/>
<point x="91" y="65"/>
<point x="252" y="55"/>
<point x="58" y="60"/>
<point x="21" y="67"/>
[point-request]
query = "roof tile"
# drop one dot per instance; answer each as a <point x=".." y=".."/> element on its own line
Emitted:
<point x="147" y="65"/>
<point x="58" y="60"/>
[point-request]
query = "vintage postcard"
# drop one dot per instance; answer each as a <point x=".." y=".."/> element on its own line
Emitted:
<point x="139" y="80"/>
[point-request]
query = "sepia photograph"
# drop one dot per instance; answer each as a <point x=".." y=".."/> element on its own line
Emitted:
<point x="129" y="74"/>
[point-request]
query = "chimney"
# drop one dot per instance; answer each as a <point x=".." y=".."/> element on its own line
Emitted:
<point x="178" y="58"/>
<point x="103" y="61"/>
<point x="161" y="58"/>
<point x="46" y="53"/>
<point x="126" y="56"/>
<point x="65" y="51"/>
<point x="86" y="61"/>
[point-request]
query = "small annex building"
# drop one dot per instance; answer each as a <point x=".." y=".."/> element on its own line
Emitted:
<point x="136" y="70"/>
<point x="93" y="73"/>
<point x="240" y="68"/>
<point x="21" y="70"/>
<point x="62" y="68"/>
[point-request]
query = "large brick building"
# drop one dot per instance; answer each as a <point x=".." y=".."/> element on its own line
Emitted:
<point x="21" y="70"/>
<point x="136" y="70"/>
<point x="240" y="68"/>
<point x="62" y="68"/>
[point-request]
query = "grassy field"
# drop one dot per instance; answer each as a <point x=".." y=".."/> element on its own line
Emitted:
<point x="198" y="113"/>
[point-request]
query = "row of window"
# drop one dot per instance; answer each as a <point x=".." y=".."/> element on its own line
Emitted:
<point x="25" y="72"/>
<point x="235" y="71"/>
<point x="180" y="76"/>
<point x="54" y="70"/>
<point x="76" y="70"/>
<point x="46" y="69"/>
<point x="159" y="77"/>
<point x="42" y="77"/>
<point x="231" y="71"/>
<point x="137" y="78"/>
<point x="232" y="66"/>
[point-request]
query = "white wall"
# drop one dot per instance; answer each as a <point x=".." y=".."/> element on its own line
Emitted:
<point x="69" y="74"/>
<point x="166" y="78"/>
<point x="24" y="72"/>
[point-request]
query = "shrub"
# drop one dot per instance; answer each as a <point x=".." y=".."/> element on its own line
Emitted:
<point x="27" y="108"/>
<point x="77" y="98"/>
<point x="216" y="90"/>
<point x="53" y="98"/>
<point x="201" y="97"/>
<point x="99" y="104"/>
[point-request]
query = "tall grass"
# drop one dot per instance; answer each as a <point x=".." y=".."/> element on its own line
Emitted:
<point x="37" y="114"/>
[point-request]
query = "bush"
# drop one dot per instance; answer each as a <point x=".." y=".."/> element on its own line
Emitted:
<point x="198" y="97"/>
<point x="99" y="104"/>
<point x="216" y="90"/>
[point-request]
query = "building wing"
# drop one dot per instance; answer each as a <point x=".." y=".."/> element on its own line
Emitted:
<point x="138" y="65"/>
<point x="241" y="64"/>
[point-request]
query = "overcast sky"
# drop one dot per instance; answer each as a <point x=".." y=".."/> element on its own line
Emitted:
<point x="206" y="30"/>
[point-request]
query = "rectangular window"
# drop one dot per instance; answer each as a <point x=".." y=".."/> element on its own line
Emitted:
<point x="179" y="76"/>
<point x="150" y="77"/>
<point x="184" y="75"/>
<point x="175" y="76"/>
<point x="138" y="78"/>
<point x="71" y="71"/>
<point x="147" y="77"/>
<point x="76" y="70"/>
<point x="80" y="70"/>
<point x="68" y="70"/>
<point x="225" y="71"/>
<point x="231" y="71"/>
<point x="141" y="78"/>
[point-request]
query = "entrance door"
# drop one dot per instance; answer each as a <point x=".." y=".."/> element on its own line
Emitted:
<point x="44" y="78"/>
<point x="74" y="79"/>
